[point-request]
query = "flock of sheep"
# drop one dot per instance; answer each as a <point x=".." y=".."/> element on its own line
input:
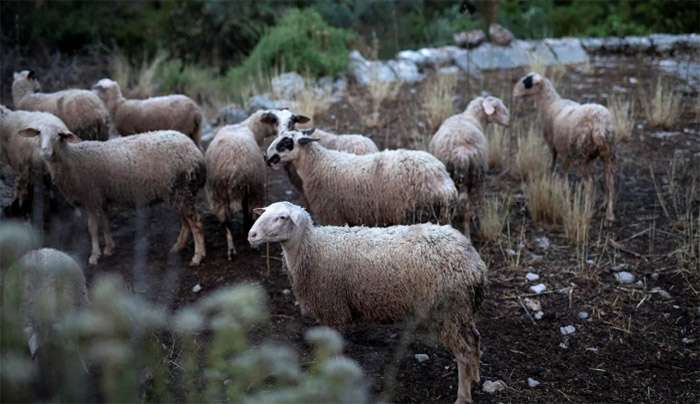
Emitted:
<point x="384" y="249"/>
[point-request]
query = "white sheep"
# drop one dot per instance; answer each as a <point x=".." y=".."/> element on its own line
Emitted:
<point x="343" y="275"/>
<point x="21" y="153"/>
<point x="54" y="286"/>
<point x="133" y="171"/>
<point x="174" y="112"/>
<point x="461" y="145"/>
<point x="81" y="110"/>
<point x="575" y="132"/>
<point x="384" y="188"/>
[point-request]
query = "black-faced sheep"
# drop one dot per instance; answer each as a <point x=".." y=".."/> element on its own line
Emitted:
<point x="343" y="275"/>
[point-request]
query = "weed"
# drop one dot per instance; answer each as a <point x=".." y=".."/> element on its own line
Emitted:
<point x="622" y="110"/>
<point x="493" y="217"/>
<point x="663" y="107"/>
<point x="437" y="99"/>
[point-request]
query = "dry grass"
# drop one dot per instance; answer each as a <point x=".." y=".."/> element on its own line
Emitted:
<point x="547" y="198"/>
<point x="493" y="218"/>
<point x="379" y="92"/>
<point x="136" y="82"/>
<point x="554" y="72"/>
<point x="437" y="99"/>
<point x="311" y="101"/>
<point x="664" y="106"/>
<point x="622" y="110"/>
<point x="498" y="147"/>
<point x="532" y="157"/>
<point x="578" y="212"/>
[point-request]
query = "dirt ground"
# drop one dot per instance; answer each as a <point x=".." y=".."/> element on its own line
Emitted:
<point x="637" y="346"/>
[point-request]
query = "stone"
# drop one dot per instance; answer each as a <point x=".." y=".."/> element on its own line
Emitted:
<point x="405" y="70"/>
<point x="258" y="102"/>
<point x="287" y="86"/>
<point x="613" y="44"/>
<point x="532" y="382"/>
<point x="663" y="135"/>
<point x="532" y="276"/>
<point x="367" y="71"/>
<point x="448" y="71"/>
<point x="661" y="292"/>
<point x="568" y="51"/>
<point x="470" y="39"/>
<point x="498" y="35"/>
<point x="539" y="315"/>
<point x="539" y="288"/>
<point x="665" y="43"/>
<point x="532" y="304"/>
<point x="620" y="267"/>
<point x="412" y="56"/>
<point x="421" y="357"/>
<point x="567" y="330"/>
<point x="492" y="387"/>
<point x="624" y="277"/>
<point x="583" y="315"/>
<point x="539" y="53"/>
<point x="542" y="243"/>
<point x="637" y="44"/>
<point x="197" y="288"/>
<point x="230" y="115"/>
<point x="493" y="57"/>
<point x="464" y="61"/>
<point x="592" y="45"/>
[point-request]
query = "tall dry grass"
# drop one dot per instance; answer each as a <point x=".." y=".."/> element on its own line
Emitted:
<point x="498" y="147"/>
<point x="554" y="72"/>
<point x="664" y="106"/>
<point x="437" y="96"/>
<point x="493" y="217"/>
<point x="622" y="110"/>
<point x="578" y="212"/>
<point x="380" y="92"/>
<point x="312" y="100"/>
<point x="532" y="158"/>
<point x="137" y="80"/>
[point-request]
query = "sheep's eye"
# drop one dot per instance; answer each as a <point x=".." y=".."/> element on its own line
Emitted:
<point x="282" y="217"/>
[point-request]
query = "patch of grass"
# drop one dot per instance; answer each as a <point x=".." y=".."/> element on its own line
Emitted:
<point x="663" y="107"/>
<point x="578" y="212"/>
<point x="532" y="158"/>
<point x="437" y="99"/>
<point x="554" y="72"/>
<point x="201" y="84"/>
<point x="622" y="110"/>
<point x="379" y="92"/>
<point x="498" y="148"/>
<point x="311" y="100"/>
<point x="137" y="81"/>
<point x="493" y="217"/>
<point x="547" y="198"/>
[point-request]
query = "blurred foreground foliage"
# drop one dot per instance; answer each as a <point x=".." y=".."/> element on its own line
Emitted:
<point x="123" y="348"/>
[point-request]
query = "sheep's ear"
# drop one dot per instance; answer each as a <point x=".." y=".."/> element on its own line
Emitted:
<point x="308" y="132"/>
<point x="306" y="140"/>
<point x="269" y="118"/>
<point x="488" y="106"/>
<point x="17" y="76"/>
<point x="297" y="118"/>
<point x="69" y="137"/>
<point x="29" y="132"/>
<point x="31" y="75"/>
<point x="258" y="211"/>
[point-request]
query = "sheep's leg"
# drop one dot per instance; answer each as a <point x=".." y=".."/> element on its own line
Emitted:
<point x="467" y="354"/>
<point x="610" y="189"/>
<point x="198" y="234"/>
<point x="107" y="233"/>
<point x="93" y="228"/>
<point x="182" y="238"/>
<point x="228" y="224"/>
<point x="553" y="166"/>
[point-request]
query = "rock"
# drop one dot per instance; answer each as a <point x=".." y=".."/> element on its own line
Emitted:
<point x="493" y="387"/>
<point x="287" y="86"/>
<point x="470" y="39"/>
<point x="567" y="330"/>
<point x="230" y="115"/>
<point x="655" y="276"/>
<point x="539" y="315"/>
<point x="439" y="57"/>
<point x="421" y="357"/>
<point x="366" y="71"/>
<point x="493" y="57"/>
<point x="539" y="53"/>
<point x="412" y="56"/>
<point x="448" y="71"/>
<point x="464" y="60"/>
<point x="532" y="382"/>
<point x="511" y="252"/>
<point x="592" y="45"/>
<point x="258" y="102"/>
<point x="197" y="288"/>
<point x="665" y="43"/>
<point x="583" y="315"/>
<point x="499" y="35"/>
<point x="542" y="243"/>
<point x="568" y="51"/>
<point x="662" y="135"/>
<point x="405" y="70"/>
<point x="620" y="267"/>
<point x="535" y="258"/>
<point x="532" y="277"/>
<point x="539" y="288"/>
<point x="286" y="292"/>
<point x="532" y="304"/>
<point x="688" y="341"/>
<point x="624" y="277"/>
<point x="661" y="292"/>
<point x="637" y="44"/>
<point x="613" y="45"/>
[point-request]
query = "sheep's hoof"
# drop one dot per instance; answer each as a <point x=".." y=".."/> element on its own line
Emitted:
<point x="93" y="259"/>
<point x="175" y="249"/>
<point x="195" y="261"/>
<point x="108" y="251"/>
<point x="231" y="253"/>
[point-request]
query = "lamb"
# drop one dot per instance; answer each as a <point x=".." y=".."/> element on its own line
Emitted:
<point x="461" y="145"/>
<point x="21" y="153"/>
<point x="54" y="285"/>
<point x="343" y="275"/>
<point x="134" y="170"/>
<point x="174" y="112"/>
<point x="235" y="175"/>
<point x="81" y="110"/>
<point x="576" y="132"/>
<point x="383" y="188"/>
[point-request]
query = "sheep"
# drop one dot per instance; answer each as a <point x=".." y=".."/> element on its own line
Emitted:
<point x="81" y="110"/>
<point x="235" y="175"/>
<point x="54" y="285"/>
<point x="343" y="275"/>
<point x="21" y="153"/>
<point x="461" y="145"/>
<point x="383" y="188"/>
<point x="133" y="170"/>
<point x="173" y="112"/>
<point x="575" y="132"/>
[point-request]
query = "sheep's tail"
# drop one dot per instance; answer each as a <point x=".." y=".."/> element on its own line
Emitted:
<point x="604" y="139"/>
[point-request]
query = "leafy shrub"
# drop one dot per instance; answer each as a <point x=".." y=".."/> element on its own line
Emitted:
<point x="302" y="41"/>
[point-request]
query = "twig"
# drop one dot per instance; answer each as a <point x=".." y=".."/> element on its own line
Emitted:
<point x="622" y="248"/>
<point x="526" y="310"/>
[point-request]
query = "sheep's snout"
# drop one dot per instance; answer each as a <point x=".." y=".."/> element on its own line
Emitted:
<point x="254" y="238"/>
<point x="272" y="161"/>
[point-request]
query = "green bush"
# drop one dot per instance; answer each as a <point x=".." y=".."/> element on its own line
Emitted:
<point x="302" y="41"/>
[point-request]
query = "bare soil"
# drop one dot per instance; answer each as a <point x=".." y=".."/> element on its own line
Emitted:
<point x="635" y="347"/>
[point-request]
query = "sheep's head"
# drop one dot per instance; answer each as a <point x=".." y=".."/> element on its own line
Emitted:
<point x="495" y="110"/>
<point x="107" y="90"/>
<point x="276" y="121"/>
<point x="529" y="85"/>
<point x="278" y="222"/>
<point x="286" y="146"/>
<point x="52" y="133"/>
<point x="25" y="82"/>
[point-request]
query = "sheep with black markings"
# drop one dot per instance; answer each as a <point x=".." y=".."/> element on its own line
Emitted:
<point x="383" y="188"/>
<point x="133" y="171"/>
<point x="342" y="275"/>
<point x="461" y="145"/>
<point x="170" y="112"/>
<point x="81" y="110"/>
<point x="575" y="132"/>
